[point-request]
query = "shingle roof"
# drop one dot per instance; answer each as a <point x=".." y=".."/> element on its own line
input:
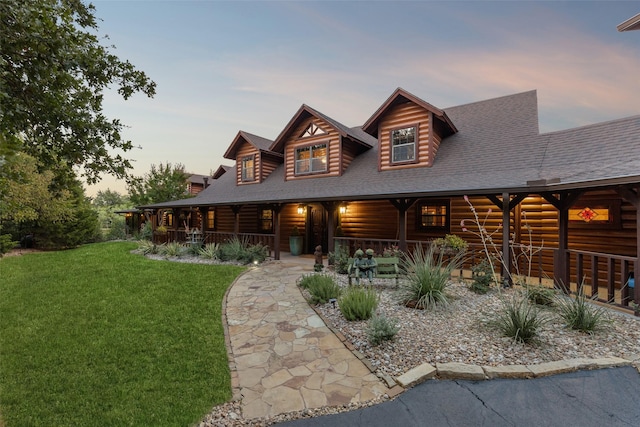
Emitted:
<point x="497" y="148"/>
<point x="260" y="143"/>
<point x="630" y="24"/>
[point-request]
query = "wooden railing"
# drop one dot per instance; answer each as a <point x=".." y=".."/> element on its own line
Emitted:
<point x="219" y="237"/>
<point x="605" y="275"/>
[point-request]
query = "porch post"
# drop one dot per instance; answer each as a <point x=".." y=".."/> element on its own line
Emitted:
<point x="402" y="205"/>
<point x="276" y="230"/>
<point x="203" y="219"/>
<point x="236" y="220"/>
<point x="330" y="207"/>
<point x="506" y="247"/>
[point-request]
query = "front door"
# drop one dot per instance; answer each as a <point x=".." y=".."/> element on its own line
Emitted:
<point x="316" y="231"/>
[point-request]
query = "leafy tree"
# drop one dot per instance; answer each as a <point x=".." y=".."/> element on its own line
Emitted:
<point x="48" y="205"/>
<point x="53" y="71"/>
<point x="163" y="183"/>
<point x="109" y="199"/>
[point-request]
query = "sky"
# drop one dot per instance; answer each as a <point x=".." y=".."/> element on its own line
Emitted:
<point x="222" y="67"/>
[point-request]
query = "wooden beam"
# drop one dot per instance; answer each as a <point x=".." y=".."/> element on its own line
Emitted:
<point x="506" y="245"/>
<point x="276" y="230"/>
<point x="402" y="205"/>
<point x="331" y="208"/>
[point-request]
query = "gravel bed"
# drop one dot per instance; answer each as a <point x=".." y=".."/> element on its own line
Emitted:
<point x="460" y="332"/>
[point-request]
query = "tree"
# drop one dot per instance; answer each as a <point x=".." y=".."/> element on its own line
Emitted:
<point x="49" y="205"/>
<point x="162" y="184"/>
<point x="109" y="199"/>
<point x="53" y="71"/>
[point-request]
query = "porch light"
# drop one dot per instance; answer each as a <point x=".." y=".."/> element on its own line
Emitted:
<point x="343" y="209"/>
<point x="301" y="209"/>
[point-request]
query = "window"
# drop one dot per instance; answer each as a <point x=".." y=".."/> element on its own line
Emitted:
<point x="603" y="214"/>
<point x="266" y="220"/>
<point x="403" y="145"/>
<point x="433" y="215"/>
<point x="248" y="170"/>
<point x="313" y="130"/>
<point x="311" y="159"/>
<point x="211" y="219"/>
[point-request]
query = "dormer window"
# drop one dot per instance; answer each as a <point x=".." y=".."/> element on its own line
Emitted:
<point x="311" y="159"/>
<point x="403" y="145"/>
<point x="248" y="169"/>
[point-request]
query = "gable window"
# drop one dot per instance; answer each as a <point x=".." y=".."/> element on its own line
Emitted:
<point x="313" y="130"/>
<point x="248" y="170"/>
<point x="265" y="220"/>
<point x="311" y="159"/>
<point x="403" y="145"/>
<point x="433" y="215"/>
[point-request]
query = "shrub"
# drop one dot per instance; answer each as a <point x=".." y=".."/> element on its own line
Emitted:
<point x="450" y="243"/>
<point x="579" y="314"/>
<point x="233" y="250"/>
<point x="209" y="251"/>
<point x="147" y="231"/>
<point x="481" y="277"/>
<point x="255" y="253"/>
<point x="171" y="249"/>
<point x="519" y="319"/>
<point x="147" y="247"/>
<point x="321" y="287"/>
<point x="358" y="303"/>
<point x="427" y="277"/>
<point x="540" y="295"/>
<point x="339" y="259"/>
<point x="381" y="328"/>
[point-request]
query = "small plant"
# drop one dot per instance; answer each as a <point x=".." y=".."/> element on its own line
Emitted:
<point x="450" y="244"/>
<point x="541" y="295"/>
<point x="427" y="278"/>
<point x="339" y="259"/>
<point x="295" y="231"/>
<point x="255" y="253"/>
<point x="318" y="267"/>
<point x="481" y="277"/>
<point x="321" y="287"/>
<point x="381" y="328"/>
<point x="579" y="314"/>
<point x="161" y="229"/>
<point x="210" y="251"/>
<point x="519" y="319"/>
<point x="146" y="233"/>
<point x="147" y="247"/>
<point x="358" y="303"/>
<point x="232" y="250"/>
<point x="172" y="249"/>
<point x="392" y="251"/>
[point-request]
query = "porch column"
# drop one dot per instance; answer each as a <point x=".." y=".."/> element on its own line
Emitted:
<point x="506" y="247"/>
<point x="203" y="219"/>
<point x="561" y="271"/>
<point x="276" y="231"/>
<point x="331" y="208"/>
<point x="632" y="195"/>
<point x="236" y="219"/>
<point x="402" y="205"/>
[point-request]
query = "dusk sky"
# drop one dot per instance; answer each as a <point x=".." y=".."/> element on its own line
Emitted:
<point x="222" y="67"/>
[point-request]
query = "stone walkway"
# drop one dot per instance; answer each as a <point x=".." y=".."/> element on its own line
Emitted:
<point x="283" y="358"/>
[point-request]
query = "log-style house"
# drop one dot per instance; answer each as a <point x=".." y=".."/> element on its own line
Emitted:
<point x="405" y="175"/>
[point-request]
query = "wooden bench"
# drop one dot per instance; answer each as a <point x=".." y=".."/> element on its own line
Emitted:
<point x="387" y="268"/>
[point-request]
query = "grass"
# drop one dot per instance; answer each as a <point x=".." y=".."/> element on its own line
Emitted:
<point x="98" y="335"/>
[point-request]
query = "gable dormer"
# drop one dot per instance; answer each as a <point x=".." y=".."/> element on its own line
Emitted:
<point x="314" y="145"/>
<point x="254" y="160"/>
<point x="409" y="131"/>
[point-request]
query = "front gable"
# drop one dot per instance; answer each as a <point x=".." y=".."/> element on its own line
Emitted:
<point x="409" y="131"/>
<point x="315" y="146"/>
<point x="254" y="161"/>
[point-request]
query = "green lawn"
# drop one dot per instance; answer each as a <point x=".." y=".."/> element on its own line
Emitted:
<point x="99" y="336"/>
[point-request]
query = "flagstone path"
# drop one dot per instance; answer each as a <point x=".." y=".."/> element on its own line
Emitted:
<point x="283" y="357"/>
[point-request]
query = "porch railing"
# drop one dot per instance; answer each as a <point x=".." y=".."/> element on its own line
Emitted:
<point x="219" y="237"/>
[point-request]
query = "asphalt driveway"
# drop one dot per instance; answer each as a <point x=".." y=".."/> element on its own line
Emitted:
<point x="604" y="397"/>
